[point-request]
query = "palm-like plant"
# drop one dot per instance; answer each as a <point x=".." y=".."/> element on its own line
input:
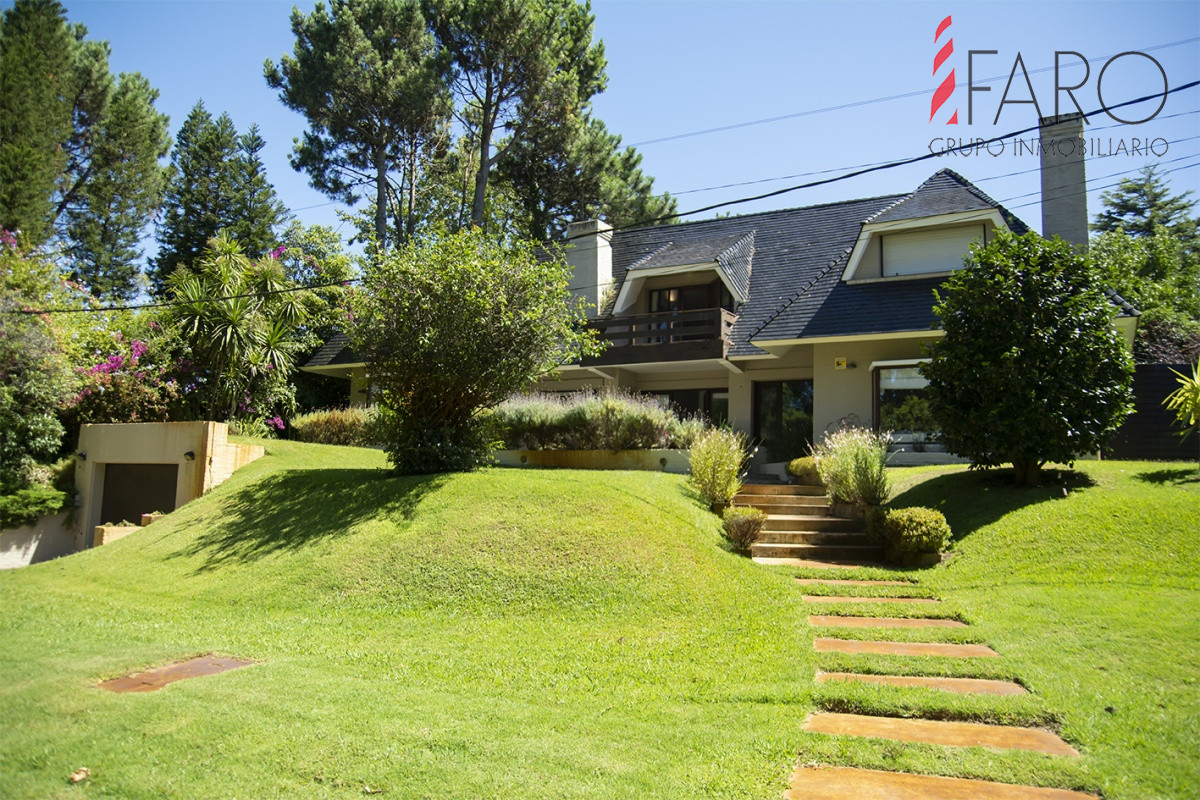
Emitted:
<point x="1185" y="402"/>
<point x="238" y="320"/>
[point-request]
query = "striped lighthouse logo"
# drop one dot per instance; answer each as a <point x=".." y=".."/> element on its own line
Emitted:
<point x="946" y="88"/>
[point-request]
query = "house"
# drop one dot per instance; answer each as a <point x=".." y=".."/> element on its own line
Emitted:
<point x="784" y="324"/>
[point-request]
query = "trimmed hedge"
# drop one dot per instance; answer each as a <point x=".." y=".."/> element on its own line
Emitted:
<point x="24" y="506"/>
<point x="804" y="470"/>
<point x="609" y="420"/>
<point x="916" y="530"/>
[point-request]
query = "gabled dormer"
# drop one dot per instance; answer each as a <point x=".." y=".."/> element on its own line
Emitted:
<point x="925" y="234"/>
<point x="722" y="263"/>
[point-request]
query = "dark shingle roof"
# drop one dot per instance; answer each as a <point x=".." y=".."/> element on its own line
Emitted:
<point x="733" y="254"/>
<point x="799" y="254"/>
<point x="335" y="351"/>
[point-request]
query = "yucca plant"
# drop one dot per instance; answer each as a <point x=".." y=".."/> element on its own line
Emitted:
<point x="1185" y="402"/>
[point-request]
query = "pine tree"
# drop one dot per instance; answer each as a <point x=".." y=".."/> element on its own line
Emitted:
<point x="35" y="55"/>
<point x="119" y="189"/>
<point x="217" y="184"/>
<point x="1139" y="205"/>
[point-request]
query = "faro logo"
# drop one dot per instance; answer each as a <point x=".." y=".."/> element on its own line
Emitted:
<point x="946" y="89"/>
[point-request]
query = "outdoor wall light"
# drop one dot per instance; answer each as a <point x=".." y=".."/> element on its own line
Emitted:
<point x="190" y="455"/>
<point x="82" y="455"/>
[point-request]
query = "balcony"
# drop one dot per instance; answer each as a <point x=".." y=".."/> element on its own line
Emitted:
<point x="664" y="336"/>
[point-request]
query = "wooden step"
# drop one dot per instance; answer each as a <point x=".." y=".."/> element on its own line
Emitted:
<point x="839" y="538"/>
<point x="904" y="648"/>
<point x="815" y="506"/>
<point x="955" y="685"/>
<point x="811" y="522"/>
<point x="850" y="783"/>
<point x="928" y="731"/>
<point x="783" y="489"/>
<point x="827" y="621"/>
<point x="843" y="598"/>
<point x="817" y="552"/>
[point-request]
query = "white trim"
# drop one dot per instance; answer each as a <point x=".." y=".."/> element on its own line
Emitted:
<point x="637" y="278"/>
<point x="330" y="369"/>
<point x="776" y="344"/>
<point x="899" y="362"/>
<point x="870" y="229"/>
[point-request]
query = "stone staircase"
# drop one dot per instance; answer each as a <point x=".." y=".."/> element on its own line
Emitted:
<point x="799" y="526"/>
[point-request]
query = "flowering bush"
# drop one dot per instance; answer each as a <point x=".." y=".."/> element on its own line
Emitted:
<point x="127" y="383"/>
<point x="718" y="461"/>
<point x="588" y="420"/>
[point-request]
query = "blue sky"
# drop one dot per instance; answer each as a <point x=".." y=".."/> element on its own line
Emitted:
<point x="682" y="66"/>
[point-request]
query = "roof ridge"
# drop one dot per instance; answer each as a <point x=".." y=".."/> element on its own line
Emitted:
<point x="728" y="250"/>
<point x="619" y="231"/>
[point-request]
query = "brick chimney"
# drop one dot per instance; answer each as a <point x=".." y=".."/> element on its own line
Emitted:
<point x="589" y="252"/>
<point x="1064" y="180"/>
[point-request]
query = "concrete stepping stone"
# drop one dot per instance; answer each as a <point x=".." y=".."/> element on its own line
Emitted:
<point x="834" y="598"/>
<point x="904" y="648"/>
<point x="928" y="731"/>
<point x="155" y="679"/>
<point x="848" y="783"/>
<point x="956" y="685"/>
<point x="882" y="622"/>
<point x="845" y="582"/>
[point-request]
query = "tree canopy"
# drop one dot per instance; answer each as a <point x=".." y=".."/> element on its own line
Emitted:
<point x="455" y="323"/>
<point x="1142" y="204"/>
<point x="1030" y="369"/>
<point x="217" y="184"/>
<point x="79" y="149"/>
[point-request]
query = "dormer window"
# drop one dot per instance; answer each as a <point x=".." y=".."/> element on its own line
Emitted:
<point x="929" y="250"/>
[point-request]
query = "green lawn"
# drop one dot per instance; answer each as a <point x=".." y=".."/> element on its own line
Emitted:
<point x="568" y="634"/>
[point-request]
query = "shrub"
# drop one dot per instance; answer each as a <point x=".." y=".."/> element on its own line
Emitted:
<point x="344" y="426"/>
<point x="804" y="470"/>
<point x="588" y="420"/>
<point x="917" y="530"/>
<point x="875" y="524"/>
<point x="718" y="460"/>
<point x="24" y="506"/>
<point x="743" y="526"/>
<point x="852" y="464"/>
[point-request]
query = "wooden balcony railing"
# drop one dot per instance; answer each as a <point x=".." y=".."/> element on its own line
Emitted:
<point x="664" y="336"/>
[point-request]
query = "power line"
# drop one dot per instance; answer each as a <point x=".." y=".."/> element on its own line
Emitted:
<point x="860" y="103"/>
<point x="643" y="223"/>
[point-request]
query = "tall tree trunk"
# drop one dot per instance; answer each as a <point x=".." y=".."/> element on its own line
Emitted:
<point x="1027" y="472"/>
<point x="381" y="192"/>
<point x="486" y="127"/>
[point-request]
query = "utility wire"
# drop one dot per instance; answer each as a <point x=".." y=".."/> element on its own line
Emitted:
<point x="646" y="222"/>
<point x="859" y="103"/>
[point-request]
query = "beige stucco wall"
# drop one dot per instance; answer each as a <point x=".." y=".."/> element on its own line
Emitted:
<point x="838" y="393"/>
<point x="214" y="460"/>
<point x="50" y="537"/>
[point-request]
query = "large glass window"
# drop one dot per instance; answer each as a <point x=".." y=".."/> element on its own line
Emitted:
<point x="712" y="404"/>
<point x="902" y="405"/>
<point x="783" y="423"/>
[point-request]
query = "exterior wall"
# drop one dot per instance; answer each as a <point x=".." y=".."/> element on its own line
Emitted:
<point x="50" y="537"/>
<point x="359" y="387"/>
<point x="839" y="393"/>
<point x="213" y="460"/>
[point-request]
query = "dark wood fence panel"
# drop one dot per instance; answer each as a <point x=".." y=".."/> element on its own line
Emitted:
<point x="1150" y="432"/>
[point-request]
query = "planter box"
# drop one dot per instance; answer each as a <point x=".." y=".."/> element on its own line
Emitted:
<point x="677" y="461"/>
<point x="106" y="534"/>
<point x="847" y="511"/>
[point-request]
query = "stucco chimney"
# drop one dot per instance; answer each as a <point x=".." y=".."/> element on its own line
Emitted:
<point x="589" y="252"/>
<point x="1064" y="179"/>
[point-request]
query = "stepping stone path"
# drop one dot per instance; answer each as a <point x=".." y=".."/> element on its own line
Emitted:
<point x="799" y="532"/>
<point x="154" y="679"/>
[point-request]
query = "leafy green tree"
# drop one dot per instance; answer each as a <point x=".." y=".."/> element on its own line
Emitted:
<point x="1031" y="369"/>
<point x="79" y="150"/>
<point x="217" y="184"/>
<point x="35" y="374"/>
<point x="1142" y="204"/>
<point x="453" y="324"/>
<point x="524" y="73"/>
<point x="238" y="320"/>
<point x="369" y="79"/>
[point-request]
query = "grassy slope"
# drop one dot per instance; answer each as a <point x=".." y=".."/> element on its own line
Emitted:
<point x="519" y="634"/>
<point x="1089" y="588"/>
<point x="567" y="634"/>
